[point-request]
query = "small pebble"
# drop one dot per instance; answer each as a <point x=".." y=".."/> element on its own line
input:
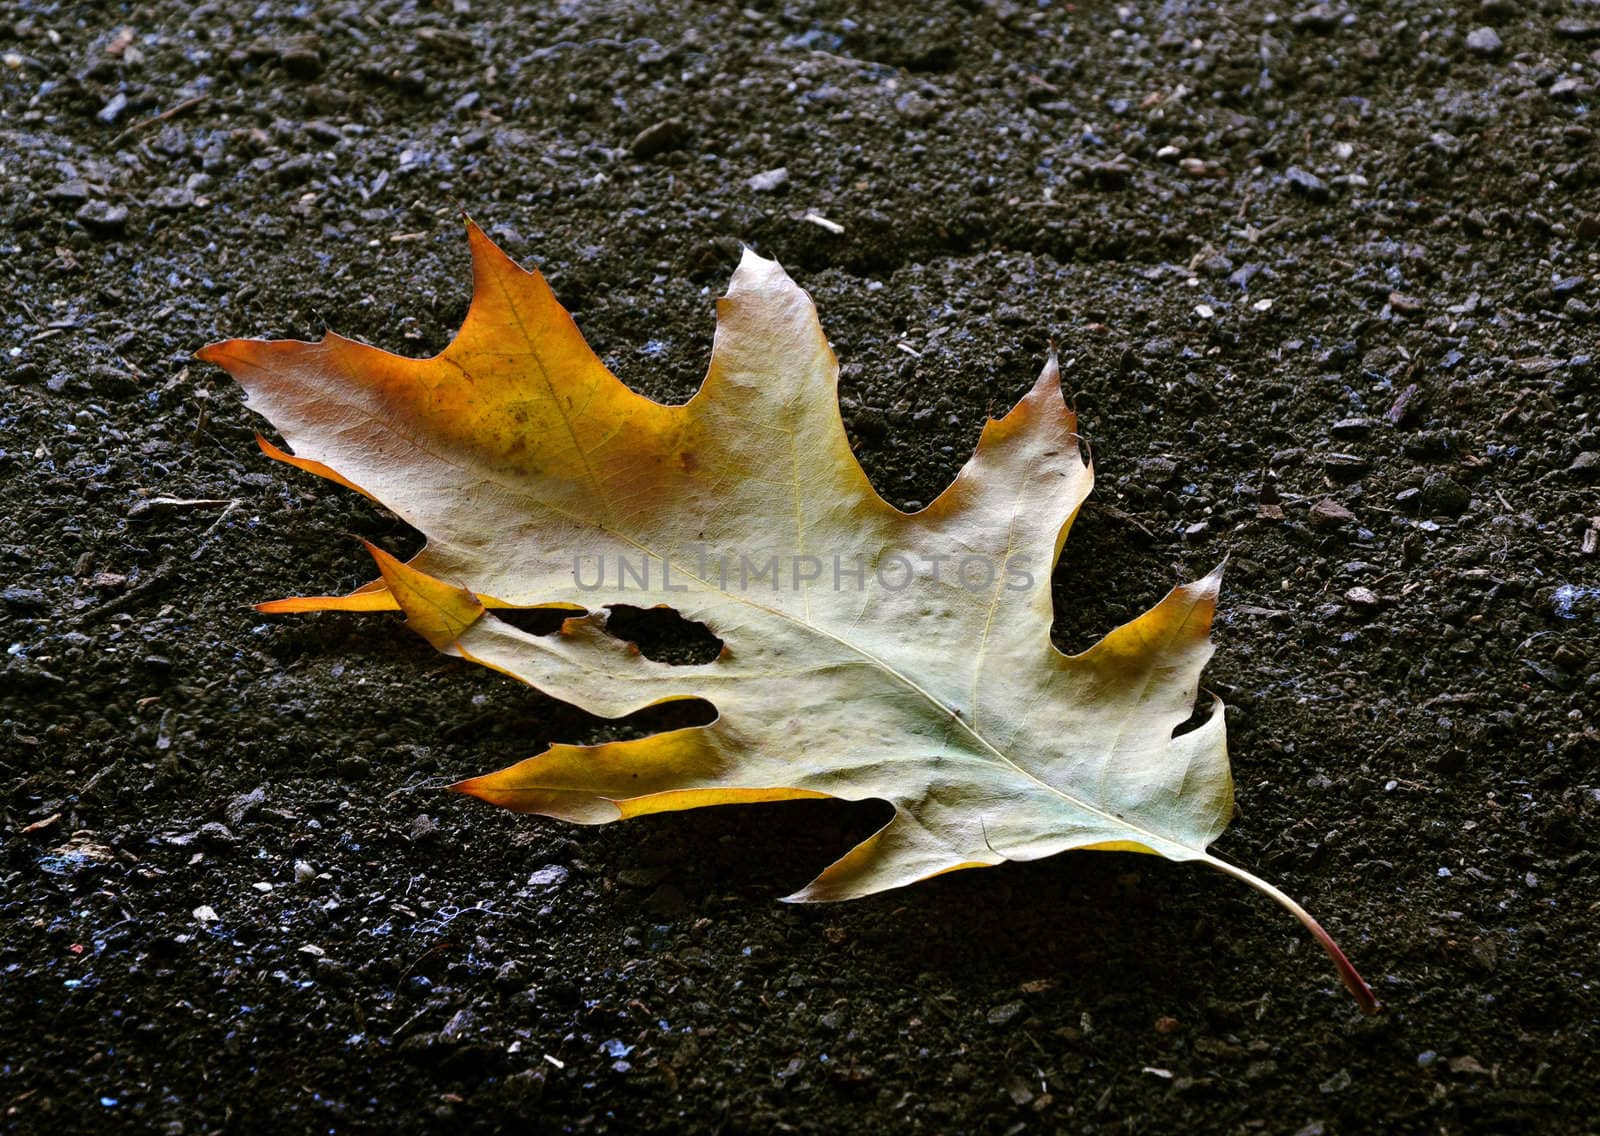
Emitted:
<point x="1484" y="41"/>
<point x="354" y="768"/>
<point x="460" y="1023"/>
<point x="769" y="181"/>
<point x="295" y="170"/>
<point x="102" y="218"/>
<point x="916" y="108"/>
<point x="170" y="198"/>
<point x="641" y="877"/>
<point x="1574" y="27"/>
<point x="1585" y="467"/>
<point x="1364" y="599"/>
<point x="75" y="189"/>
<point x="1108" y="174"/>
<point x="1329" y="514"/>
<point x="1345" y="468"/>
<point x="216" y="835"/>
<point x="1352" y="428"/>
<point x="113" y="108"/>
<point x="1405" y="406"/>
<point x="658" y="138"/>
<point x="1019" y="1092"/>
<point x="1443" y="496"/>
<point x="301" y="61"/>
<point x="1306" y="183"/>
<point x="549" y="876"/>
<point x="245" y="806"/>
<point x="1318" y="18"/>
<point x="1005" y="1014"/>
<point x="23" y="599"/>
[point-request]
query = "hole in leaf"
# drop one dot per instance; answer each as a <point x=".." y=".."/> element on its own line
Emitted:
<point x="678" y="714"/>
<point x="536" y="620"/>
<point x="662" y="635"/>
<point x="1199" y="716"/>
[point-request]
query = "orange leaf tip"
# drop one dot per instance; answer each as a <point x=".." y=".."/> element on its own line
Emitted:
<point x="316" y="467"/>
<point x="435" y="610"/>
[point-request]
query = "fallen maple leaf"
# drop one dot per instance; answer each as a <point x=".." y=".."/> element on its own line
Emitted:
<point x="866" y="652"/>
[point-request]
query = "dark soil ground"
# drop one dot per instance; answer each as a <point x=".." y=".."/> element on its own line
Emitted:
<point x="1328" y="279"/>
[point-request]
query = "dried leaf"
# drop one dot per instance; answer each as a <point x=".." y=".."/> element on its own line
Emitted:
<point x="866" y="652"/>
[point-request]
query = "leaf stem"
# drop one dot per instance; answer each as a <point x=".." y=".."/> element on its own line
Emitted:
<point x="1352" y="979"/>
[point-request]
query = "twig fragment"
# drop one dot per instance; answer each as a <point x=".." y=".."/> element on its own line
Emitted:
<point x="171" y="112"/>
